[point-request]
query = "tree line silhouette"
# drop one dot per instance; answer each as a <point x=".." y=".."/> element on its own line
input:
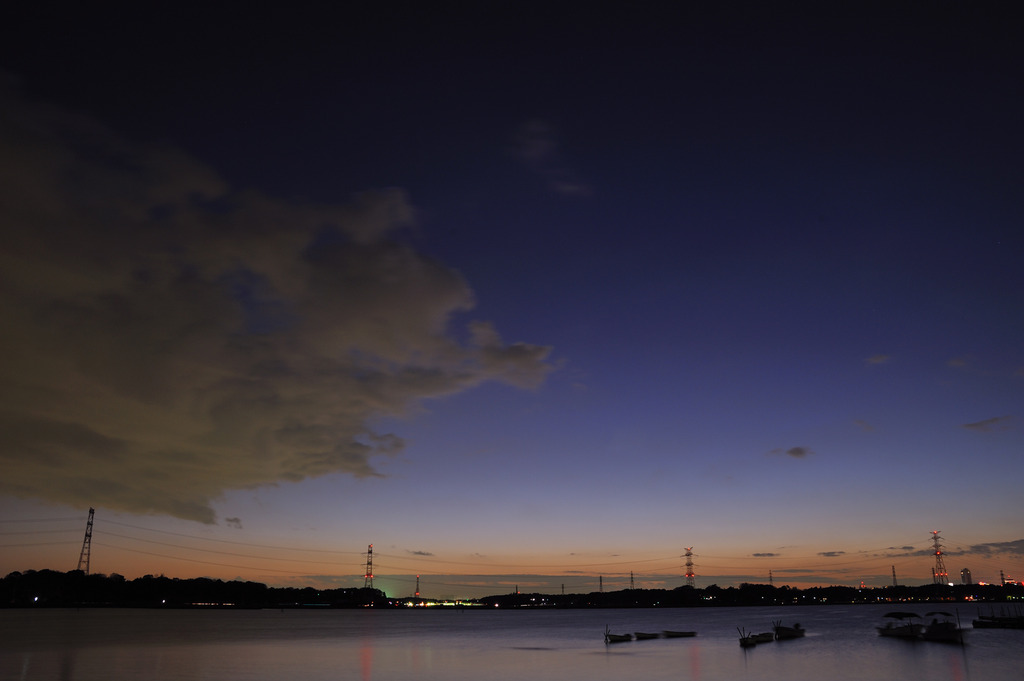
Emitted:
<point x="49" y="588"/>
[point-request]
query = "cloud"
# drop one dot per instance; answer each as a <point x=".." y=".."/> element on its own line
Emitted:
<point x="832" y="554"/>
<point x="864" y="425"/>
<point x="765" y="555"/>
<point x="234" y="522"/>
<point x="167" y="338"/>
<point x="419" y="553"/>
<point x="1012" y="548"/>
<point x="877" y="359"/>
<point x="904" y="552"/>
<point x="996" y="423"/>
<point x="537" y="147"/>
<point x="795" y="452"/>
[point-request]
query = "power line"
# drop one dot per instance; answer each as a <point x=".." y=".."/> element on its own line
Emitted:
<point x="419" y="560"/>
<point x="563" y="566"/>
<point x="908" y="551"/>
<point x="225" y="553"/>
<point x="229" y="541"/>
<point x="45" y="543"/>
<point x="203" y="562"/>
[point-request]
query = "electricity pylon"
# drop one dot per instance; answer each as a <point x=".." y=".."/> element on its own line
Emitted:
<point x="939" y="575"/>
<point x="83" y="557"/>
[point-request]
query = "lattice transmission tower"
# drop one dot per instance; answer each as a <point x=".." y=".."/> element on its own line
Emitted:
<point x="939" y="575"/>
<point x="689" y="566"/>
<point x="83" y="557"/>
<point x="368" y="580"/>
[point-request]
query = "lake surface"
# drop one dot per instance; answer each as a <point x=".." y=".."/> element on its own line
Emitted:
<point x="494" y="645"/>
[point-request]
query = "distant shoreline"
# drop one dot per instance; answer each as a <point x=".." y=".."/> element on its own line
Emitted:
<point x="51" y="589"/>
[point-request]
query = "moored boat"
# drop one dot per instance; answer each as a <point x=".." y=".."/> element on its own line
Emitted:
<point x="896" y="627"/>
<point x="609" y="637"/>
<point x="1001" y="621"/>
<point x="643" y="635"/>
<point x="782" y="632"/>
<point x="763" y="637"/>
<point x="944" y="630"/>
<point x="746" y="640"/>
<point x="678" y="634"/>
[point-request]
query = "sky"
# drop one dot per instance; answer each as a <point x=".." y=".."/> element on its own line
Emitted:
<point x="522" y="295"/>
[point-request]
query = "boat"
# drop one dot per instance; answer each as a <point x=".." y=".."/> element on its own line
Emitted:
<point x="989" y="622"/>
<point x="945" y="630"/>
<point x="746" y="640"/>
<point x="1001" y="621"/>
<point x="644" y="636"/>
<point x="609" y="637"/>
<point x="678" y="634"/>
<point x="897" y="628"/>
<point x="782" y="633"/>
<point x="763" y="637"/>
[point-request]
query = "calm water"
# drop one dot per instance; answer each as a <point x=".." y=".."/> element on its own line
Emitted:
<point x="495" y="645"/>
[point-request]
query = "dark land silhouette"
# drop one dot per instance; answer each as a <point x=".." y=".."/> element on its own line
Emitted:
<point x="48" y="588"/>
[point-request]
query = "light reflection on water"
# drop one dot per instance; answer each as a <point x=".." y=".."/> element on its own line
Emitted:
<point x="373" y="645"/>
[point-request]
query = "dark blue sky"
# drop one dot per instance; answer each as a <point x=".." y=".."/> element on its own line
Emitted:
<point x="757" y="263"/>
